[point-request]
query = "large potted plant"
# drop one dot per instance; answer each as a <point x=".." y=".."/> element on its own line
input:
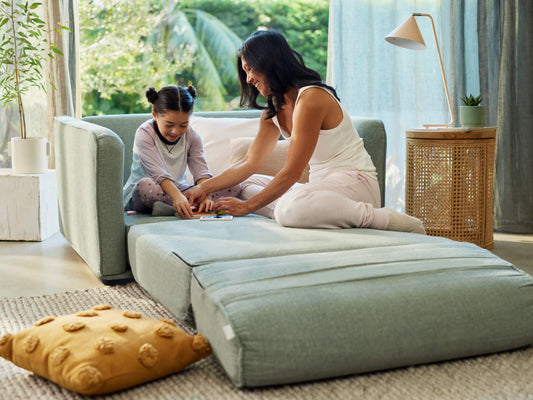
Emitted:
<point x="472" y="113"/>
<point x="24" y="50"/>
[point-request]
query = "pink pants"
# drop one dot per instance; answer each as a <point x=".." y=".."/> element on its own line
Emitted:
<point x="342" y="199"/>
<point x="146" y="192"/>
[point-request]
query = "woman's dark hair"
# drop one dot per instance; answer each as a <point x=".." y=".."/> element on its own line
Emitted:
<point x="269" y="53"/>
<point x="172" y="98"/>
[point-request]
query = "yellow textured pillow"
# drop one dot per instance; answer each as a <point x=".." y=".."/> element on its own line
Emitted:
<point x="274" y="163"/>
<point x="103" y="350"/>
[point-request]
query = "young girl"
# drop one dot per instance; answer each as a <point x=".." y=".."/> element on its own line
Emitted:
<point x="163" y="148"/>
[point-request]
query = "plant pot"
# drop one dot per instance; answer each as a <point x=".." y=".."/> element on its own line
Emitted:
<point x="472" y="116"/>
<point x="30" y="155"/>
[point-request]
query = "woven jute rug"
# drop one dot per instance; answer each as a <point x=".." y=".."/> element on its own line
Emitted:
<point x="506" y="375"/>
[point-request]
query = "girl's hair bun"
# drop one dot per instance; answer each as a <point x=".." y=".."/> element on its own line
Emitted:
<point x="151" y="95"/>
<point x="172" y="98"/>
<point x="192" y="91"/>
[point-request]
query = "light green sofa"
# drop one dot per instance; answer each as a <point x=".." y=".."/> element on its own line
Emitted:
<point x="282" y="305"/>
<point x="93" y="158"/>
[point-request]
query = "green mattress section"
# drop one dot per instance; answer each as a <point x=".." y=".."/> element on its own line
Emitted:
<point x="282" y="305"/>
<point x="288" y="319"/>
<point x="163" y="254"/>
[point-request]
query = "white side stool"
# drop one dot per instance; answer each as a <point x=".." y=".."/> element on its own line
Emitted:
<point x="28" y="205"/>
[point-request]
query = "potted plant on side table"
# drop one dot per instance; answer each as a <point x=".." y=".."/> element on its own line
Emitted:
<point x="24" y="48"/>
<point x="472" y="113"/>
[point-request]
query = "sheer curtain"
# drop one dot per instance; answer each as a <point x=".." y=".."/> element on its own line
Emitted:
<point x="63" y="71"/>
<point x="401" y="87"/>
<point x="40" y="108"/>
<point x="486" y="47"/>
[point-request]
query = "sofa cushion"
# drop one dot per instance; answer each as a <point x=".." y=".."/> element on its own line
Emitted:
<point x="274" y="162"/>
<point x="163" y="255"/>
<point x="297" y="317"/>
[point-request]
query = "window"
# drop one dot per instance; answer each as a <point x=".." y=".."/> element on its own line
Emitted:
<point x="129" y="45"/>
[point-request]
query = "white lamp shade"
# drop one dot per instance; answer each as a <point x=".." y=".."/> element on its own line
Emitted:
<point x="407" y="35"/>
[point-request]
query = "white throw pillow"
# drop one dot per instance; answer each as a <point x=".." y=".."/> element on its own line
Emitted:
<point x="217" y="133"/>
<point x="273" y="164"/>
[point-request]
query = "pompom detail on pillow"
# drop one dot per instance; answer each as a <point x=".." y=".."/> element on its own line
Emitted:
<point x="132" y="314"/>
<point x="59" y="354"/>
<point x="118" y="327"/>
<point x="44" y="320"/>
<point x="105" y="345"/>
<point x="164" y="330"/>
<point x="73" y="326"/>
<point x="148" y="355"/>
<point x="30" y="343"/>
<point x="103" y="350"/>
<point x="201" y="346"/>
<point x="4" y="339"/>
<point x="87" y="313"/>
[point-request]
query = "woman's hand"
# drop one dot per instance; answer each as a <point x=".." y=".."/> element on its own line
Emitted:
<point x="182" y="207"/>
<point x="232" y="206"/>
<point x="196" y="195"/>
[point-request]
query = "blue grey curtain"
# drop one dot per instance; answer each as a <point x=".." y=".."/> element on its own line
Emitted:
<point x="486" y="47"/>
<point x="506" y="62"/>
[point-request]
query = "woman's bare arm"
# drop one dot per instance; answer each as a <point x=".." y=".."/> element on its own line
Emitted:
<point x="308" y="118"/>
<point x="257" y="154"/>
<point x="315" y="110"/>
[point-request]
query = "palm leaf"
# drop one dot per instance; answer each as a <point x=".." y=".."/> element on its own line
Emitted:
<point x="176" y="31"/>
<point x="221" y="43"/>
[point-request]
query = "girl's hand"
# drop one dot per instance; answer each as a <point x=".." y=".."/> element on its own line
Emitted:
<point x="182" y="207"/>
<point x="232" y="206"/>
<point x="206" y="205"/>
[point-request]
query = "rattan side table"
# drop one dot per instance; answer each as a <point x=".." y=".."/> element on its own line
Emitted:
<point x="449" y="183"/>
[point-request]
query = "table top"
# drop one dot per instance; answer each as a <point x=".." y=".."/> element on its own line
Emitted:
<point x="9" y="172"/>
<point x="452" y="133"/>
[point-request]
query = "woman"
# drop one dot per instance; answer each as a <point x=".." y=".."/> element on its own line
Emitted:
<point x="343" y="191"/>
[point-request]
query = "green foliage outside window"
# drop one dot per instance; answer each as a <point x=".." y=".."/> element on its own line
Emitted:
<point x="130" y="45"/>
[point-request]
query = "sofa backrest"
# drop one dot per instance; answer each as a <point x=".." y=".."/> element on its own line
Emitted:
<point x="125" y="126"/>
<point x="372" y="132"/>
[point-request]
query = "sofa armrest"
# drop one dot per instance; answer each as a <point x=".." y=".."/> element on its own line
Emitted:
<point x="89" y="163"/>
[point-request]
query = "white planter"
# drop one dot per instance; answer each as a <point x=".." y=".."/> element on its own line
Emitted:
<point x="30" y="155"/>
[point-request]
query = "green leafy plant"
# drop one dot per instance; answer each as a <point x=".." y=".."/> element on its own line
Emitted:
<point x="471" y="100"/>
<point x="24" y="48"/>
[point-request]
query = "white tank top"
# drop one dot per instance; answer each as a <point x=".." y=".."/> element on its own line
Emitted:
<point x="337" y="148"/>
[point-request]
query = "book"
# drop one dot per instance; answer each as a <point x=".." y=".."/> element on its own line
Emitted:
<point x="216" y="218"/>
<point x="198" y="215"/>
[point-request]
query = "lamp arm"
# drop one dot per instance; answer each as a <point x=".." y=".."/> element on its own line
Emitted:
<point x="442" y="72"/>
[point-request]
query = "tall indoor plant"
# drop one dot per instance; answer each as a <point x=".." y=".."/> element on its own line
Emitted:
<point x="24" y="50"/>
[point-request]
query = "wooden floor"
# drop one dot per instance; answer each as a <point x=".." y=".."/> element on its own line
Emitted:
<point x="52" y="266"/>
<point x="36" y="268"/>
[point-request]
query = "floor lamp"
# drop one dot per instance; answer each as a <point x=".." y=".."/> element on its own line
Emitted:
<point x="408" y="35"/>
